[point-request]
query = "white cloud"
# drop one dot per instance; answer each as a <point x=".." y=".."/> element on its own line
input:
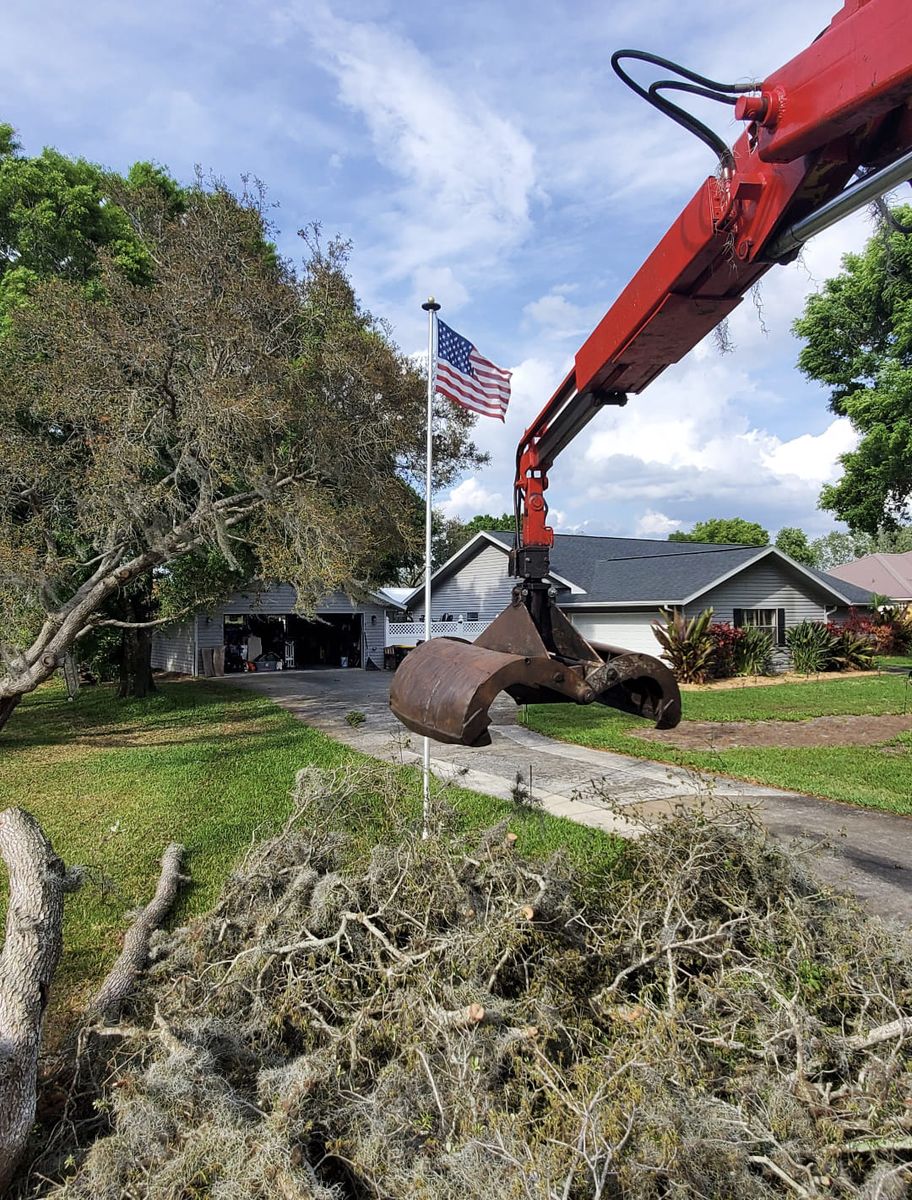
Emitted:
<point x="470" y="498"/>
<point x="653" y="524"/>
<point x="558" y="317"/>
<point x="812" y="458"/>
<point x="688" y="445"/>
<point x="466" y="172"/>
<point x="439" y="281"/>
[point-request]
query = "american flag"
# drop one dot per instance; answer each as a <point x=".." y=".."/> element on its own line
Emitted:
<point x="464" y="376"/>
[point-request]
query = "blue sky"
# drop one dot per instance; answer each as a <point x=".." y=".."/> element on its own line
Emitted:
<point x="486" y="153"/>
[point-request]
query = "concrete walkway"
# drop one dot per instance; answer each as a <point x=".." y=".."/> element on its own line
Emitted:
<point x="858" y="850"/>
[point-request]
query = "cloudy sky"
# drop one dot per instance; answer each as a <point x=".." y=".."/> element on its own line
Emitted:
<point x="486" y="153"/>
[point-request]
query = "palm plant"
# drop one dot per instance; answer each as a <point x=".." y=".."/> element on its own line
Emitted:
<point x="811" y="646"/>
<point x="755" y="652"/>
<point x="687" y="645"/>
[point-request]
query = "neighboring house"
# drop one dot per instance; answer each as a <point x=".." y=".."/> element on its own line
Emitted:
<point x="612" y="588"/>
<point x="262" y="620"/>
<point x="886" y="574"/>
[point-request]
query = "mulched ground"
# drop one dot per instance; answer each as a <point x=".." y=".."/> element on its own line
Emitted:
<point x="819" y="731"/>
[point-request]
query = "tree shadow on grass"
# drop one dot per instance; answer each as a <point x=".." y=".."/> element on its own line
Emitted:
<point x="98" y="718"/>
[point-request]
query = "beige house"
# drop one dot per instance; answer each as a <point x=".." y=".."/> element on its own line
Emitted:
<point x="886" y="574"/>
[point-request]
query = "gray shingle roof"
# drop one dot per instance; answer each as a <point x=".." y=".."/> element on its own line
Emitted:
<point x="637" y="570"/>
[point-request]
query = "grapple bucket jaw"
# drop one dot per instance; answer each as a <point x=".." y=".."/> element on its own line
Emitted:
<point x="445" y="687"/>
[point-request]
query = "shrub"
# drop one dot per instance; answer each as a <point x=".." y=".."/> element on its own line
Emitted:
<point x="755" y="652"/>
<point x="726" y="640"/>
<point x="811" y="646"/>
<point x="892" y="629"/>
<point x="686" y="644"/>
<point x="99" y="653"/>
<point x="874" y="629"/>
<point x="852" y="650"/>
<point x="902" y="632"/>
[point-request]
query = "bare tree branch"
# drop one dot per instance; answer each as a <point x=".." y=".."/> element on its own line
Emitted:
<point x="120" y="980"/>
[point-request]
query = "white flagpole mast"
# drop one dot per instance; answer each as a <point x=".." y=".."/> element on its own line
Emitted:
<point x="431" y="307"/>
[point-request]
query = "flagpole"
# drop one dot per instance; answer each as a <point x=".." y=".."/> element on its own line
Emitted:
<point x="431" y="307"/>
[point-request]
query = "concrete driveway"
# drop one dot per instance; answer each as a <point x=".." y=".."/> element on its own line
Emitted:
<point x="861" y="851"/>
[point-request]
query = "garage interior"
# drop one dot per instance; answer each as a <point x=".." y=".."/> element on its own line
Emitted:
<point x="289" y="642"/>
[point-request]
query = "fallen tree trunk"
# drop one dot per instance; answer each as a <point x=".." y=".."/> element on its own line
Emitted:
<point x="121" y="979"/>
<point x="37" y="882"/>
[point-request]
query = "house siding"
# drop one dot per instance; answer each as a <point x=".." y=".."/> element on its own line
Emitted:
<point x="764" y="585"/>
<point x="482" y="585"/>
<point x="173" y="648"/>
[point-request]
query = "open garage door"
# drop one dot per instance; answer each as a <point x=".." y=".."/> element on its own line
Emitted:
<point x="288" y="642"/>
<point x="332" y="641"/>
<point x="632" y="631"/>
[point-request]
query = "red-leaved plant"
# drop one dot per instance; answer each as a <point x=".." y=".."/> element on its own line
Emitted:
<point x="726" y="640"/>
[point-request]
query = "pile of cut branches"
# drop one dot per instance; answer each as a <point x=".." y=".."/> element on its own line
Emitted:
<point x="456" y="1022"/>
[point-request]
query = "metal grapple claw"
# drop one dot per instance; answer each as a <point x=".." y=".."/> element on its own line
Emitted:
<point x="445" y="687"/>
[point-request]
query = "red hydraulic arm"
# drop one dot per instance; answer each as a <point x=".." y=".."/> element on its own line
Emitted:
<point x="843" y="106"/>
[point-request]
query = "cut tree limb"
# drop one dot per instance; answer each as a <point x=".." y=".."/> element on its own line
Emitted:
<point x="121" y="979"/>
<point x="900" y="1028"/>
<point x="37" y="882"/>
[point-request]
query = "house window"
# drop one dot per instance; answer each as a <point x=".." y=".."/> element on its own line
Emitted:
<point x="471" y="616"/>
<point x="770" y="620"/>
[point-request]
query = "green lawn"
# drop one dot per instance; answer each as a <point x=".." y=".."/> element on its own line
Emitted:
<point x="822" y="696"/>
<point x="112" y="783"/>
<point x="878" y="776"/>
<point x="901" y="661"/>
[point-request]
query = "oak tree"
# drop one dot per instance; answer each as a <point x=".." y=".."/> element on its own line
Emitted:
<point x="858" y="332"/>
<point x="227" y="400"/>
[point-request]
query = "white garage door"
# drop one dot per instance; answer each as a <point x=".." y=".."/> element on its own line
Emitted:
<point x="632" y="631"/>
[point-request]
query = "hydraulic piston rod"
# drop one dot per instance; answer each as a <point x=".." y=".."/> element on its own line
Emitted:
<point x="856" y="196"/>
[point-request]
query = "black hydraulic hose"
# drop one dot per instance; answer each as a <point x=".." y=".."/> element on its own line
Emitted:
<point x="688" y="120"/>
<point x="699" y="85"/>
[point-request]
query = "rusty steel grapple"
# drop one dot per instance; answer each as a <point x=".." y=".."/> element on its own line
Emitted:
<point x="445" y="687"/>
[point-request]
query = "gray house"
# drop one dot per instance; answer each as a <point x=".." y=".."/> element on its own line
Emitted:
<point x="263" y="621"/>
<point x="612" y="588"/>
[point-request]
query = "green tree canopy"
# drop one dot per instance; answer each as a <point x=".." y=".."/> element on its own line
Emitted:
<point x="486" y="521"/>
<point x="225" y="401"/>
<point x="57" y="213"/>
<point x="858" y="331"/>
<point x="794" y="542"/>
<point x="836" y="548"/>
<point x="724" y="531"/>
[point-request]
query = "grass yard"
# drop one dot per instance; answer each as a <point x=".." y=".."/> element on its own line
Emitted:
<point x="113" y="782"/>
<point x="874" y="776"/>
<point x="823" y="696"/>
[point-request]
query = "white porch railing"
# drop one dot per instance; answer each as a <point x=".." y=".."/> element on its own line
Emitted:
<point x="410" y="633"/>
